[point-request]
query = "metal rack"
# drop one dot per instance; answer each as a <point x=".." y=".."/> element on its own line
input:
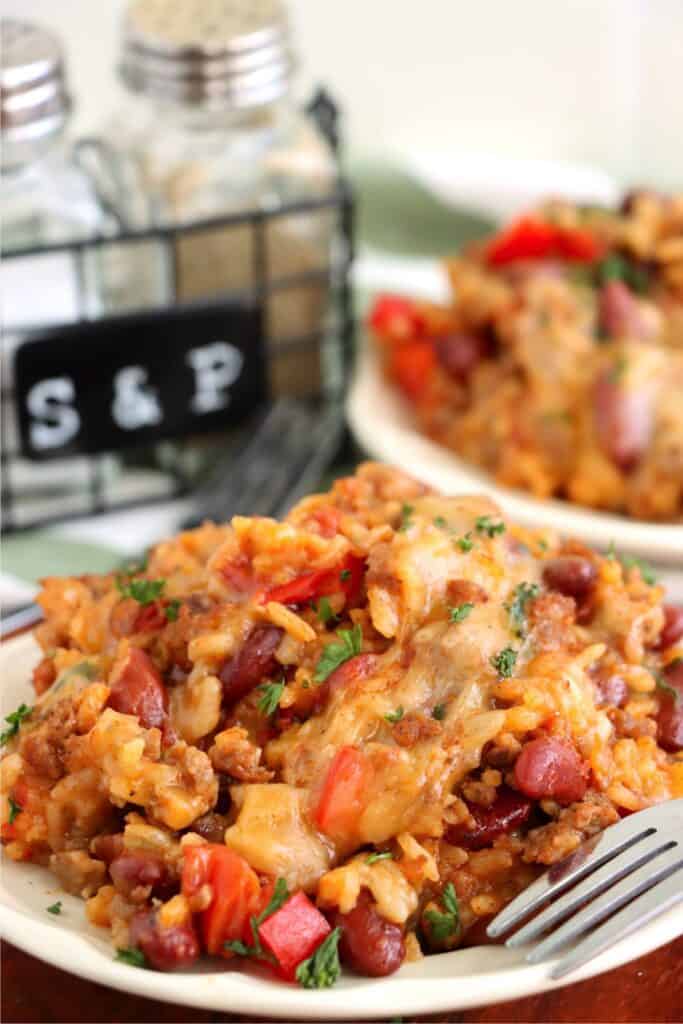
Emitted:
<point x="332" y="342"/>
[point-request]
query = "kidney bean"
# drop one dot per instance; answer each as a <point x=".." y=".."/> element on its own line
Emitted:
<point x="619" y="312"/>
<point x="166" y="949"/>
<point x="672" y="630"/>
<point x="459" y="354"/>
<point x="107" y="848"/>
<point x="551" y="768"/>
<point x="670" y="714"/>
<point x="130" y="871"/>
<point x="353" y="670"/>
<point x="507" y="812"/>
<point x="138" y="689"/>
<point x="572" y="575"/>
<point x="369" y="943"/>
<point x="211" y="826"/>
<point x="623" y="420"/>
<point x="254" y="662"/>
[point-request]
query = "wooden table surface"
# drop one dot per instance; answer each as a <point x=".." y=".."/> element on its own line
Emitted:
<point x="649" y="989"/>
<point x="646" y="990"/>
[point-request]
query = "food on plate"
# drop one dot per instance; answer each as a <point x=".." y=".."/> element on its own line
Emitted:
<point x="558" y="368"/>
<point x="350" y="737"/>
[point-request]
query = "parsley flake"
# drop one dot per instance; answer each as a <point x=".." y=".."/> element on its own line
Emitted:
<point x="335" y="654"/>
<point x="406" y="517"/>
<point x="445" y="925"/>
<point x="484" y="524"/>
<point x="465" y="543"/>
<point x="322" y="969"/>
<point x="171" y="610"/>
<point x="280" y="896"/>
<point x="142" y="591"/>
<point x="15" y="718"/>
<point x="372" y="858"/>
<point x="395" y="716"/>
<point x="504" y="662"/>
<point x="345" y="575"/>
<point x="14" y="810"/>
<point x="55" y="908"/>
<point x="440" y="522"/>
<point x="666" y="687"/>
<point x="324" y="610"/>
<point x="646" y="571"/>
<point x="460" y="613"/>
<point x="439" y="712"/>
<point x="521" y="595"/>
<point x="269" y="702"/>
<point x="131" y="955"/>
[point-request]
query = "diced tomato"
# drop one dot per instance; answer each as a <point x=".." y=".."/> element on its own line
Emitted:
<point x="236" y="893"/>
<point x="292" y="933"/>
<point x="346" y="578"/>
<point x="150" y="617"/>
<point x="343" y="793"/>
<point x="395" y="318"/>
<point x="532" y="239"/>
<point x="411" y="366"/>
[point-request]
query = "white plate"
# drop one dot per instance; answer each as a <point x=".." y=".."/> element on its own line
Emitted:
<point x="384" y="424"/>
<point x="451" y="981"/>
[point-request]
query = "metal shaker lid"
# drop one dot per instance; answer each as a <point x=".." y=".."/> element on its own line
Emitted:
<point x="34" y="102"/>
<point x="216" y="54"/>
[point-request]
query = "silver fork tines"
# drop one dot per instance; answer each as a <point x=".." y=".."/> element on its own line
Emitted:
<point x="628" y="874"/>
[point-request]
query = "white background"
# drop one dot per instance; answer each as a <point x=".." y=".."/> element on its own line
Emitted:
<point x="590" y="80"/>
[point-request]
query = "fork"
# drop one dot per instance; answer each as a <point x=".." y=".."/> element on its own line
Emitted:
<point x="625" y="876"/>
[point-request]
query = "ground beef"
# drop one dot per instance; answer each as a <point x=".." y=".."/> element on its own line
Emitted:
<point x="413" y="728"/>
<point x="550" y="843"/>
<point x="43" y="747"/>
<point x="551" y="617"/>
<point x="234" y="754"/>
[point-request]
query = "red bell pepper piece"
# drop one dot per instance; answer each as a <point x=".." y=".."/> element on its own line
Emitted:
<point x="411" y="366"/>
<point x="343" y="794"/>
<point x="526" y="239"/>
<point x="532" y="239"/>
<point x="236" y="893"/>
<point x="292" y="933"/>
<point x="395" y="318"/>
<point x="346" y="578"/>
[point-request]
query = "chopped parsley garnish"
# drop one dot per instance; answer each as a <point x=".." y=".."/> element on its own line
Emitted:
<point x="335" y="654"/>
<point x="15" y="718"/>
<point x="439" y="712"/>
<point x="345" y="575"/>
<point x="372" y="858"/>
<point x="324" y="610"/>
<point x="280" y="896"/>
<point x="322" y="969"/>
<point x="142" y="591"/>
<point x="441" y="523"/>
<point x="406" y="514"/>
<point x="543" y="544"/>
<point x="172" y="609"/>
<point x="395" y="716"/>
<point x="444" y="925"/>
<point x="465" y="543"/>
<point x="460" y="613"/>
<point x="504" y="662"/>
<point x="521" y="595"/>
<point x="617" y="268"/>
<point x="131" y="955"/>
<point x="619" y="368"/>
<point x="269" y="702"/>
<point x="485" y="524"/>
<point x="646" y="571"/>
<point x="55" y="908"/>
<point x="14" y="809"/>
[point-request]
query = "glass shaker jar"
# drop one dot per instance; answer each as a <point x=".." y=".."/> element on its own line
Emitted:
<point x="209" y="127"/>
<point x="45" y="200"/>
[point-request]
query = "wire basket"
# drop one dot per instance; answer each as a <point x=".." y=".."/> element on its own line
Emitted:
<point x="132" y="402"/>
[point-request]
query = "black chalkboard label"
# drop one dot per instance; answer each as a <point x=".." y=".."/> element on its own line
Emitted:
<point x="115" y="383"/>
